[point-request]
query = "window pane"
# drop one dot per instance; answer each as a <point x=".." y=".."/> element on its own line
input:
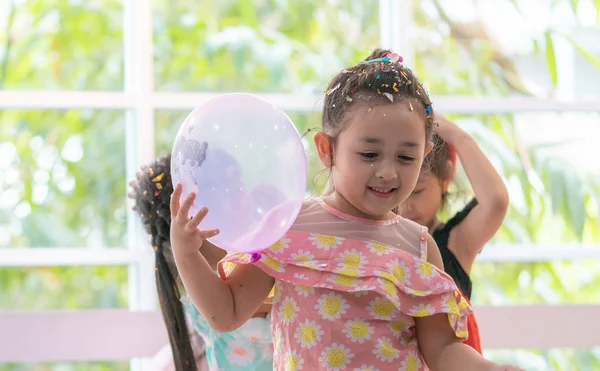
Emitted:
<point x="54" y="45"/>
<point x="62" y="178"/>
<point x="167" y="123"/>
<point x="58" y="288"/>
<point x="66" y="366"/>
<point x="261" y="46"/>
<point x="502" y="48"/>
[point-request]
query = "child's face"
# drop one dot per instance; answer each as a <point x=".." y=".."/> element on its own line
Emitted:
<point x="378" y="156"/>
<point x="423" y="203"/>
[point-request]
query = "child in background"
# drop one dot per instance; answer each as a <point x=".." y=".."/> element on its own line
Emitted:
<point x="462" y="237"/>
<point x="357" y="287"/>
<point x="247" y="348"/>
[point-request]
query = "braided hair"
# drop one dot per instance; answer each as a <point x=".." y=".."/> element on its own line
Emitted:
<point x="152" y="203"/>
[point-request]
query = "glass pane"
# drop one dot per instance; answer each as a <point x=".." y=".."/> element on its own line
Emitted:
<point x="58" y="288"/>
<point x="167" y="123"/>
<point x="548" y="163"/>
<point x="260" y="46"/>
<point x="66" y="366"/>
<point x="61" y="45"/>
<point x="503" y="48"/>
<point x="62" y="178"/>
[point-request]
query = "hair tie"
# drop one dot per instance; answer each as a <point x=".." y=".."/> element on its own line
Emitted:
<point x="386" y="57"/>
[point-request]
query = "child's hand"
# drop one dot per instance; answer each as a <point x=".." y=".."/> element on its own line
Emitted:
<point x="186" y="238"/>
<point x="506" y="368"/>
<point x="445" y="128"/>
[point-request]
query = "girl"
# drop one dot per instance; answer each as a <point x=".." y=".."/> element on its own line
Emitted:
<point x="247" y="348"/>
<point x="357" y="287"/>
<point x="465" y="234"/>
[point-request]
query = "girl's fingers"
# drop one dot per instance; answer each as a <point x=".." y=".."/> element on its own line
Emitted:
<point x="208" y="233"/>
<point x="184" y="211"/>
<point x="175" y="200"/>
<point x="197" y="219"/>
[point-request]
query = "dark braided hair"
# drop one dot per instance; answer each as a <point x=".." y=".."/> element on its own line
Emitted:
<point x="152" y="203"/>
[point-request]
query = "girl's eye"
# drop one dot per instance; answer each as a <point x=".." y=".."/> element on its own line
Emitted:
<point x="417" y="191"/>
<point x="369" y="155"/>
<point x="407" y="158"/>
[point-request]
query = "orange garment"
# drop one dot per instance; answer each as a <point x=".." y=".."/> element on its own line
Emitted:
<point x="473" y="341"/>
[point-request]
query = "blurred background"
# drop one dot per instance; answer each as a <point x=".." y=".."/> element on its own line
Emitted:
<point x="90" y="90"/>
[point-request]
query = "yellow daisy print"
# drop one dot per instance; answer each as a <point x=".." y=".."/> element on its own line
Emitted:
<point x="276" y="291"/>
<point x="418" y="292"/>
<point x="308" y="334"/>
<point x="325" y="242"/>
<point x="293" y="361"/>
<point x="304" y="258"/>
<point x="422" y="310"/>
<point x="412" y="362"/>
<point x="331" y="306"/>
<point x="385" y="351"/>
<point x="425" y="269"/>
<point x="396" y="327"/>
<point x="272" y="264"/>
<point x="382" y="308"/>
<point x="358" y="330"/>
<point x="389" y="287"/>
<point x="304" y="290"/>
<point x="351" y="259"/>
<point x="399" y="270"/>
<point x="345" y="277"/>
<point x="379" y="249"/>
<point x="289" y="310"/>
<point x="366" y="368"/>
<point x="450" y="305"/>
<point x="280" y="245"/>
<point x="335" y="357"/>
<point x="277" y="340"/>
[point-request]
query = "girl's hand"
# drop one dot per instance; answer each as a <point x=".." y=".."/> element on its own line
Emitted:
<point x="445" y="128"/>
<point x="506" y="368"/>
<point x="186" y="238"/>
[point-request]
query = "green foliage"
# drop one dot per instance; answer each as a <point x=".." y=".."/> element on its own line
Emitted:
<point x="62" y="173"/>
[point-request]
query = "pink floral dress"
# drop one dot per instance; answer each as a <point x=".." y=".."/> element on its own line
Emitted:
<point x="347" y="291"/>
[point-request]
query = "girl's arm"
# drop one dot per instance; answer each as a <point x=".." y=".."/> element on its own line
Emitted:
<point x="440" y="347"/>
<point x="225" y="304"/>
<point x="468" y="238"/>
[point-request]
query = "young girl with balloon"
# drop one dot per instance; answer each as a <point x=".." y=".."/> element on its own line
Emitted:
<point x="248" y="348"/>
<point x="357" y="287"/>
<point x="463" y="236"/>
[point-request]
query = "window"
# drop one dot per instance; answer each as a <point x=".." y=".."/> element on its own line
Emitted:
<point x="92" y="90"/>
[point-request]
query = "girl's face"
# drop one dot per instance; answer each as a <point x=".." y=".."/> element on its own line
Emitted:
<point x="424" y="202"/>
<point x="377" y="157"/>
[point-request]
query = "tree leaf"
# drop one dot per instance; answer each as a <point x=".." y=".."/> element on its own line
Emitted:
<point x="551" y="58"/>
<point x="587" y="55"/>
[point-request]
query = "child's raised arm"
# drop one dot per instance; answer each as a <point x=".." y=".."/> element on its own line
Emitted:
<point x="224" y="304"/>
<point x="468" y="238"/>
<point x="440" y="347"/>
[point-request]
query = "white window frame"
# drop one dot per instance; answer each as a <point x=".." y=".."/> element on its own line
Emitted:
<point x="140" y="101"/>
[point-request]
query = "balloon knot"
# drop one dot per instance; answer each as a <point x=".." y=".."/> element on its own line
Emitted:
<point x="255" y="257"/>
